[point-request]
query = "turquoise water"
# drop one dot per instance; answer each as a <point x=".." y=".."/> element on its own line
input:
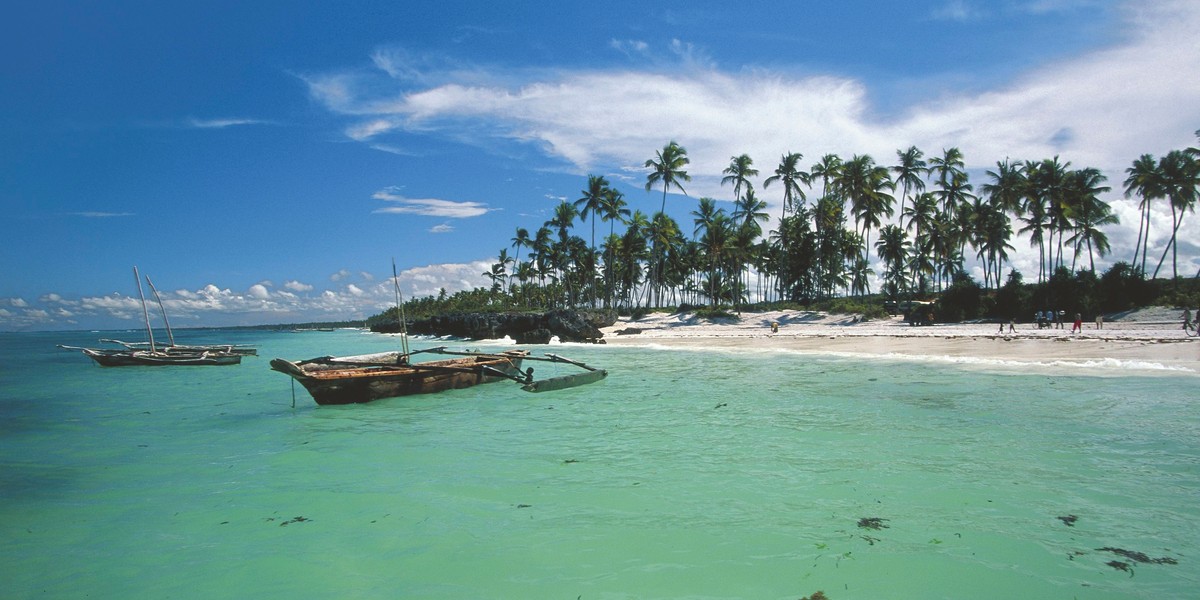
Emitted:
<point x="683" y="475"/>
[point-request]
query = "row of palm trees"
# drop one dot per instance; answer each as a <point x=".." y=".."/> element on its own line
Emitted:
<point x="926" y="212"/>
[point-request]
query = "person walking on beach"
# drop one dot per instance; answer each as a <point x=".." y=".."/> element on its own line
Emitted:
<point x="1187" y="319"/>
<point x="1078" y="326"/>
<point x="1099" y="321"/>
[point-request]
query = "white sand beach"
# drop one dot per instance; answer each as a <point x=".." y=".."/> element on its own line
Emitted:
<point x="1152" y="338"/>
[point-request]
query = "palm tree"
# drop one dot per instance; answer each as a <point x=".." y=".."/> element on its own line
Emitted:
<point x="613" y="209"/>
<point x="1007" y="186"/>
<point x="921" y="216"/>
<point x="1145" y="180"/>
<point x="542" y="244"/>
<point x="994" y="230"/>
<point x="668" y="169"/>
<point x="521" y="240"/>
<point x="1180" y="173"/>
<point x="827" y="169"/>
<point x="910" y="173"/>
<point x="860" y="267"/>
<point x="1088" y="212"/>
<point x="498" y="271"/>
<point x="705" y="215"/>
<point x="1046" y="182"/>
<point x="716" y="239"/>
<point x="749" y="210"/>
<point x="633" y="248"/>
<point x="740" y="170"/>
<point x="664" y="232"/>
<point x="948" y="166"/>
<point x="865" y="185"/>
<point x="564" y="219"/>
<point x="788" y="172"/>
<point x="591" y="203"/>
<point x="892" y="248"/>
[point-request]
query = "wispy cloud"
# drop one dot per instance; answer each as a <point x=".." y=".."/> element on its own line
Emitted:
<point x="442" y="228"/>
<point x="429" y="207"/>
<point x="222" y="123"/>
<point x="957" y="10"/>
<point x="92" y="214"/>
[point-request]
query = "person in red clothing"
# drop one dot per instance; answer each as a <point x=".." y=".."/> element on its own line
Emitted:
<point x="1078" y="326"/>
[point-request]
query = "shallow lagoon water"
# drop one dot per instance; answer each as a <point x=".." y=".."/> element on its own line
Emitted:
<point x="683" y="475"/>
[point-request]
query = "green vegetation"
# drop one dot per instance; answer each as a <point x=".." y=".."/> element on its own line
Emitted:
<point x="818" y="255"/>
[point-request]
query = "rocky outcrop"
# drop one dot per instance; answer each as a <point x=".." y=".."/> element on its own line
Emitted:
<point x="524" y="328"/>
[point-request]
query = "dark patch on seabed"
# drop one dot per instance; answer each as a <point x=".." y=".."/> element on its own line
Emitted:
<point x="872" y="523"/>
<point x="300" y="519"/>
<point x="1140" y="557"/>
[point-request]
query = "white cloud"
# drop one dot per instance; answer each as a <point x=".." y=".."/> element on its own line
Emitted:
<point x="92" y="214"/>
<point x="223" y="123"/>
<point x="429" y="207"/>
<point x="442" y="228"/>
<point x="213" y="304"/>
<point x="296" y="286"/>
<point x="340" y="275"/>
<point x="259" y="291"/>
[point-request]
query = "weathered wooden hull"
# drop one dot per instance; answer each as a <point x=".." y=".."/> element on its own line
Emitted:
<point x="126" y="358"/>
<point x="363" y="379"/>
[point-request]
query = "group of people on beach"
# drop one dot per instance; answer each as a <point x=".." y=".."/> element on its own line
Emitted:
<point x="1046" y="319"/>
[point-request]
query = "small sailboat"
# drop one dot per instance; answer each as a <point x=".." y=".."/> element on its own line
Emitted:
<point x="150" y="354"/>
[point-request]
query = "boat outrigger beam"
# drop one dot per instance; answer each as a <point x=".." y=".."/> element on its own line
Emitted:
<point x="562" y="382"/>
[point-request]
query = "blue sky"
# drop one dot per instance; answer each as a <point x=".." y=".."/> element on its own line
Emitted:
<point x="264" y="161"/>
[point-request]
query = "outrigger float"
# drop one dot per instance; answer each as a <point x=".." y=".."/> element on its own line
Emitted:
<point x="363" y="378"/>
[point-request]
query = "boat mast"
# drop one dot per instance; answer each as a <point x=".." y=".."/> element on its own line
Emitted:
<point x="170" y="336"/>
<point x="145" y="313"/>
<point x="400" y="311"/>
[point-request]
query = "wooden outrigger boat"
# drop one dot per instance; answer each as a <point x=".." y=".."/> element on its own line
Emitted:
<point x="358" y="379"/>
<point x="129" y="358"/>
<point x="152" y="355"/>
<point x="240" y="349"/>
<point x="367" y="377"/>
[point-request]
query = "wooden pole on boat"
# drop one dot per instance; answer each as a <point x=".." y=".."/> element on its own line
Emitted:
<point x="145" y="313"/>
<point x="400" y="311"/>
<point x="170" y="336"/>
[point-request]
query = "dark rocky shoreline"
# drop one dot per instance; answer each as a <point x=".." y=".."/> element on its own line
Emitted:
<point x="524" y="328"/>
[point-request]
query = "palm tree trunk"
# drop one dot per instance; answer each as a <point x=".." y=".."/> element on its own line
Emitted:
<point x="1170" y="244"/>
